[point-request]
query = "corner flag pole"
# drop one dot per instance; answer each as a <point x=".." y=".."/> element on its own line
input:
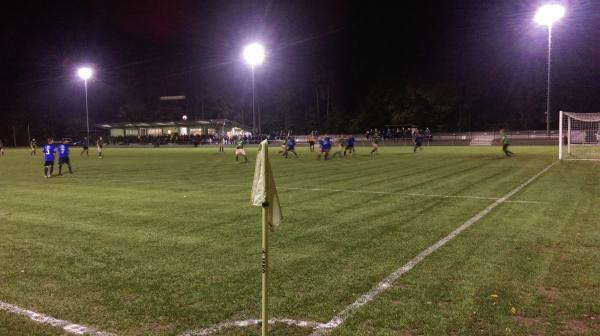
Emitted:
<point x="265" y="254"/>
<point x="264" y="195"/>
<point x="265" y="272"/>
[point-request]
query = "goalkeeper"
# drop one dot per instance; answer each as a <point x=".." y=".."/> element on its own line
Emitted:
<point x="505" y="143"/>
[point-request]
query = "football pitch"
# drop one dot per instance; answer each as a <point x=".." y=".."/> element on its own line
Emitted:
<point x="164" y="241"/>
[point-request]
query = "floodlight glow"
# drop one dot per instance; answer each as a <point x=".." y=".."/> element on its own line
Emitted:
<point x="84" y="73"/>
<point x="254" y="54"/>
<point x="549" y="14"/>
<point x="184" y="117"/>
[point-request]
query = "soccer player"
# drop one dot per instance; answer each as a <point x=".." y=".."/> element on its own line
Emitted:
<point x="349" y="145"/>
<point x="222" y="144"/>
<point x="375" y="138"/>
<point x="311" y="142"/>
<point x="505" y="143"/>
<point x="341" y="144"/>
<point x="49" y="158"/>
<point x="1" y="148"/>
<point x="63" y="156"/>
<point x="418" y="141"/>
<point x="85" y="145"/>
<point x="33" y="145"/>
<point x="283" y="147"/>
<point x="99" y="145"/>
<point x="325" y="144"/>
<point x="239" y="149"/>
<point x="291" y="147"/>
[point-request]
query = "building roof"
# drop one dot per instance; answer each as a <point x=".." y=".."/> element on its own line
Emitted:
<point x="187" y="123"/>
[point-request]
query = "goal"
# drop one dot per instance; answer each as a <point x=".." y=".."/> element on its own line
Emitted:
<point x="579" y="136"/>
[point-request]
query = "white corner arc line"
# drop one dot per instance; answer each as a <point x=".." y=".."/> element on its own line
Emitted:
<point x="349" y="310"/>
<point x="247" y="323"/>
<point x="45" y="319"/>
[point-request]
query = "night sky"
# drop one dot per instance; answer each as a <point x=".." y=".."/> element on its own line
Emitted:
<point x="489" y="54"/>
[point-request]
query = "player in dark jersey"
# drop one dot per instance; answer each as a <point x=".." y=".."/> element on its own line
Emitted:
<point x="33" y="146"/>
<point x="311" y="142"/>
<point x="349" y="145"/>
<point x="85" y="145"/>
<point x="239" y="149"/>
<point x="418" y="141"/>
<point x="49" y="158"/>
<point x="375" y="139"/>
<point x="63" y="156"/>
<point x="325" y="144"/>
<point x="291" y="147"/>
<point x="1" y="148"/>
<point x="99" y="145"/>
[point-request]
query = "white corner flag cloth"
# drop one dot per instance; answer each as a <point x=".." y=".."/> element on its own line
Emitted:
<point x="264" y="191"/>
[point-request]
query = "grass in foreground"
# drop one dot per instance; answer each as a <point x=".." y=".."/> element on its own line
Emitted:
<point x="160" y="241"/>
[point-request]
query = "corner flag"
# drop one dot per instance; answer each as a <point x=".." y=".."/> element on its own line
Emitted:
<point x="264" y="195"/>
<point x="264" y="192"/>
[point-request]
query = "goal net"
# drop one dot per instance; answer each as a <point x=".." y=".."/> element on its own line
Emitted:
<point x="579" y="136"/>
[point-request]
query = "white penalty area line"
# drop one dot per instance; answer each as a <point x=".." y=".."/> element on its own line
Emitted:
<point x="347" y="312"/>
<point x="408" y="194"/>
<point x="45" y="319"/>
<point x="391" y="193"/>
<point x="247" y="323"/>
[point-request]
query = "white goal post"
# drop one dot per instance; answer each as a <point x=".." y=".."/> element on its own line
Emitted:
<point x="579" y="136"/>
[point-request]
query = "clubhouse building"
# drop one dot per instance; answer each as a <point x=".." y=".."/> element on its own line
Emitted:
<point x="180" y="128"/>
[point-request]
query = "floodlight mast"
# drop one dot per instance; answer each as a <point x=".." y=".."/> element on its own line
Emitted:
<point x="254" y="54"/>
<point x="547" y="15"/>
<point x="86" y="73"/>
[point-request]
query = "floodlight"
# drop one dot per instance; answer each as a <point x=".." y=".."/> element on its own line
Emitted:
<point x="549" y="14"/>
<point x="184" y="117"/>
<point x="84" y="73"/>
<point x="254" y="54"/>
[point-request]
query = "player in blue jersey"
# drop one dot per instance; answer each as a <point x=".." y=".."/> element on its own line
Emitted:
<point x="418" y="141"/>
<point x="48" y="151"/>
<point x="291" y="147"/>
<point x="325" y="144"/>
<point x="349" y="145"/>
<point x="63" y="156"/>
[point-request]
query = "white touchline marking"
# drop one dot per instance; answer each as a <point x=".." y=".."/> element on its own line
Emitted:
<point x="342" y="316"/>
<point x="44" y="319"/>
<point x="247" y="323"/>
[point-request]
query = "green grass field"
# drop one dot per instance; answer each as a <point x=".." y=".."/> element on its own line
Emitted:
<point x="163" y="241"/>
